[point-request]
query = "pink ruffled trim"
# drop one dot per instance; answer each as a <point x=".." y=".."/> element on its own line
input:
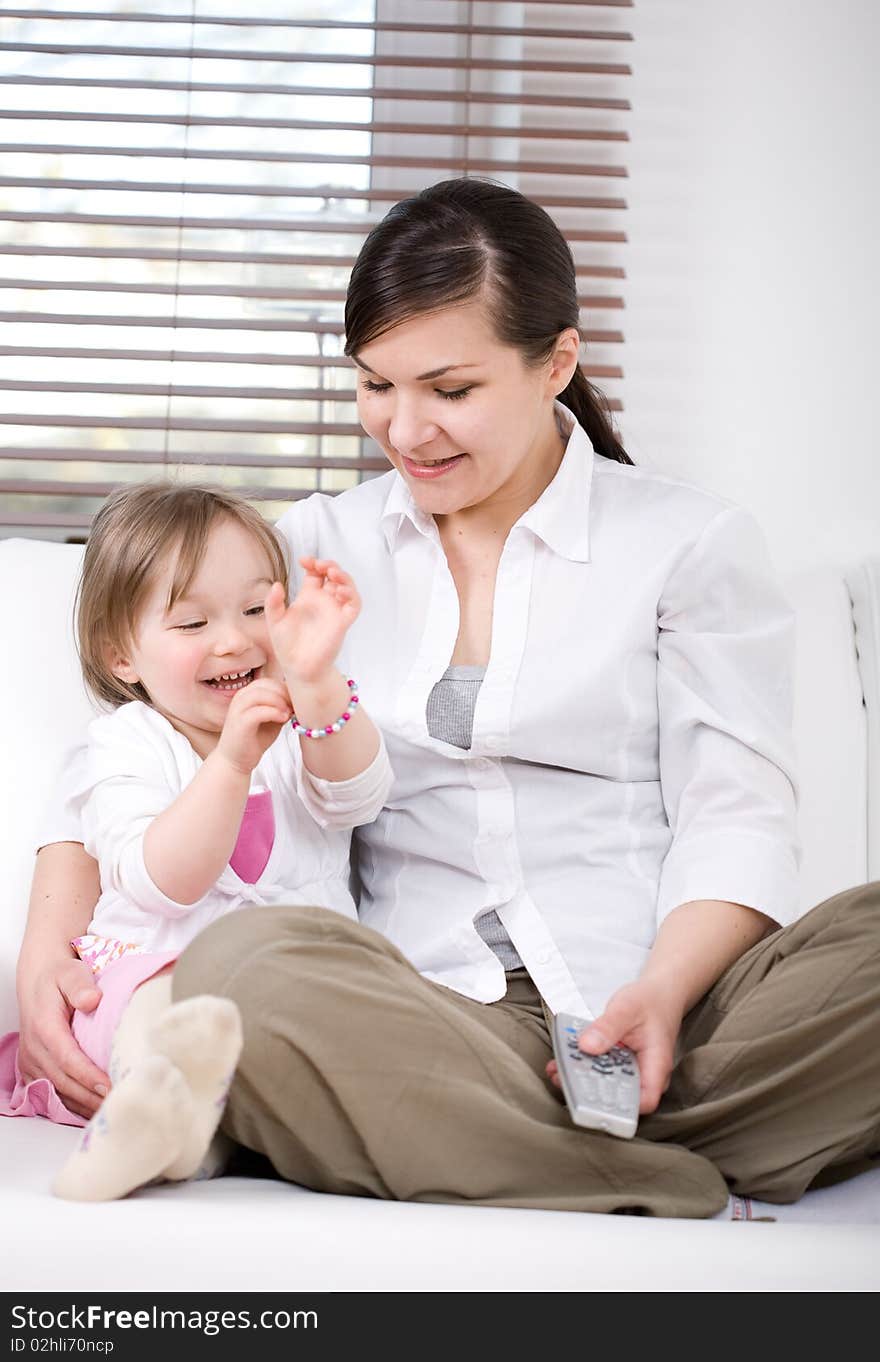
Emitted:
<point x="37" y="1098"/>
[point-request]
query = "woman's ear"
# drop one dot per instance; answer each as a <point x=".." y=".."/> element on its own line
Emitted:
<point x="563" y="361"/>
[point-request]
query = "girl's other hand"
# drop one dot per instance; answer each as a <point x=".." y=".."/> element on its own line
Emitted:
<point x="307" y="634"/>
<point x="48" y="997"/>
<point x="641" y="1016"/>
<point x="255" y="717"/>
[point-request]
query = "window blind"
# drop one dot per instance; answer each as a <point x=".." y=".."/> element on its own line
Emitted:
<point x="184" y="187"/>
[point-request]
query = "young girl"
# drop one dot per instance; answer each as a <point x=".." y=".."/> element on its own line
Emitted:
<point x="200" y="793"/>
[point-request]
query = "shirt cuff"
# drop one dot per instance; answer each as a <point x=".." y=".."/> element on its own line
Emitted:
<point x="756" y="871"/>
<point x="347" y="803"/>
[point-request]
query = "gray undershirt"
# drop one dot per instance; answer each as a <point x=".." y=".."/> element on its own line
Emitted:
<point x="450" y="718"/>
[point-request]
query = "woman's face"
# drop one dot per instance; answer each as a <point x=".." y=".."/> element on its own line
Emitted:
<point x="460" y="415"/>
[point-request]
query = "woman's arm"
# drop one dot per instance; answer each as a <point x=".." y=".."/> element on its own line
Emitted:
<point x="52" y="982"/>
<point x="724" y="693"/>
<point x="695" y="944"/>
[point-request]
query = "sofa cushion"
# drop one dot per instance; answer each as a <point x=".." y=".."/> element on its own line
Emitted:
<point x="43" y="706"/>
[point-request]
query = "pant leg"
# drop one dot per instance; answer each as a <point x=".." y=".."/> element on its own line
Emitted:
<point x="779" y="1077"/>
<point x="359" y="1076"/>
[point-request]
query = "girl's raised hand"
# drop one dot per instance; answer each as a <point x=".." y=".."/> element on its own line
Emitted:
<point x="307" y="634"/>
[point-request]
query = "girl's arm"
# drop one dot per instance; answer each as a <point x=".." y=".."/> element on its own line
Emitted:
<point x="188" y="845"/>
<point x="51" y="981"/>
<point x="306" y="637"/>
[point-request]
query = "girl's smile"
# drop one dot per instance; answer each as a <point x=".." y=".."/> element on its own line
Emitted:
<point x="192" y="657"/>
<point x="230" y="682"/>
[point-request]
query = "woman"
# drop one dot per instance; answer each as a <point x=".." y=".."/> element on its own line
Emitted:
<point x="582" y="670"/>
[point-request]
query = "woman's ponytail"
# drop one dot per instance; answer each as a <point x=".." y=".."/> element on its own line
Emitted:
<point x="590" y="410"/>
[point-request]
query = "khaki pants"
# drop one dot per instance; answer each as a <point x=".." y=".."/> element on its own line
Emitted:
<point x="359" y="1076"/>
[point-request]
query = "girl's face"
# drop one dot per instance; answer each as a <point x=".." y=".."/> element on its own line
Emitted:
<point x="193" y="658"/>
<point x="459" y="414"/>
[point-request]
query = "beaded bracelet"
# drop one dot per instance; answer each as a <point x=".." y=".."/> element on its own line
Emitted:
<point x="335" y="727"/>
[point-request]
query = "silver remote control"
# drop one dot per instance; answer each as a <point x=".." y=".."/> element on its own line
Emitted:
<point x="602" y="1091"/>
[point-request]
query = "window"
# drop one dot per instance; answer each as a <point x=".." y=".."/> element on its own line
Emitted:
<point x="183" y="191"/>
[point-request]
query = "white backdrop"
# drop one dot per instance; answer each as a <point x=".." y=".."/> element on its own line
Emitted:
<point x="753" y="298"/>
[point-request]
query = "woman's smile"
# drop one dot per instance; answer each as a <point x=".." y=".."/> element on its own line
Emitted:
<point x="435" y="468"/>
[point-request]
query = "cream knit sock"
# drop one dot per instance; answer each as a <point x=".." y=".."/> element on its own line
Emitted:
<point x="171" y="1066"/>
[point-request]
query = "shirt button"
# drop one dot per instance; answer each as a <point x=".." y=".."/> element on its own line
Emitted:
<point x="482" y="764"/>
<point x="493" y="744"/>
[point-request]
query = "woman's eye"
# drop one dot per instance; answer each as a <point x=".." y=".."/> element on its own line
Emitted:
<point x="455" y="396"/>
<point x="376" y="387"/>
<point x="255" y="610"/>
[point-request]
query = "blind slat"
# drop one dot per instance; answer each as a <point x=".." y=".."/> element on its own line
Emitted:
<point x="69" y="520"/>
<point x="13" y="486"/>
<point x="361" y="92"/>
<point x="222" y="323"/>
<point x="76" y="454"/>
<point x="236" y="257"/>
<point x="206" y="423"/>
<point x="196" y="423"/>
<point x="330" y="25"/>
<point x="316" y="125"/>
<point x="272" y="191"/>
<point x="184" y="356"/>
<point x="325" y="25"/>
<point x="315" y="158"/>
<point x="180" y="390"/>
<point x="575" y="68"/>
<point x="316" y="224"/>
<point x="228" y="357"/>
<point x="324" y="295"/>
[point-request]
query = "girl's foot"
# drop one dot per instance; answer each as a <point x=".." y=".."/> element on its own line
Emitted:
<point x="139" y="1130"/>
<point x="202" y="1037"/>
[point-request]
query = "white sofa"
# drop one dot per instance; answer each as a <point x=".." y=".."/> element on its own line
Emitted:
<point x="260" y="1235"/>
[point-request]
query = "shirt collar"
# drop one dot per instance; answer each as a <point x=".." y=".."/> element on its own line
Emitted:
<point x="399" y="506"/>
<point x="560" y="516"/>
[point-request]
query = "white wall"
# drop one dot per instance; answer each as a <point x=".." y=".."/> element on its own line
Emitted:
<point x="753" y="299"/>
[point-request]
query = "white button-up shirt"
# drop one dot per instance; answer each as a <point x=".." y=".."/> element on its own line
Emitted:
<point x="631" y="741"/>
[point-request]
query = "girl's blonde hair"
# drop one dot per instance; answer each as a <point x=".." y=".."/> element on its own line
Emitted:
<point x="132" y="537"/>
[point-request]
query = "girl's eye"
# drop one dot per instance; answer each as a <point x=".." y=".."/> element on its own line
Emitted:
<point x="376" y="387"/>
<point x="455" y="396"/>
<point x="255" y="610"/>
<point x="193" y="624"/>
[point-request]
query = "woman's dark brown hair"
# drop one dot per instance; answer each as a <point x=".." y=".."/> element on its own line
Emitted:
<point x="462" y="238"/>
